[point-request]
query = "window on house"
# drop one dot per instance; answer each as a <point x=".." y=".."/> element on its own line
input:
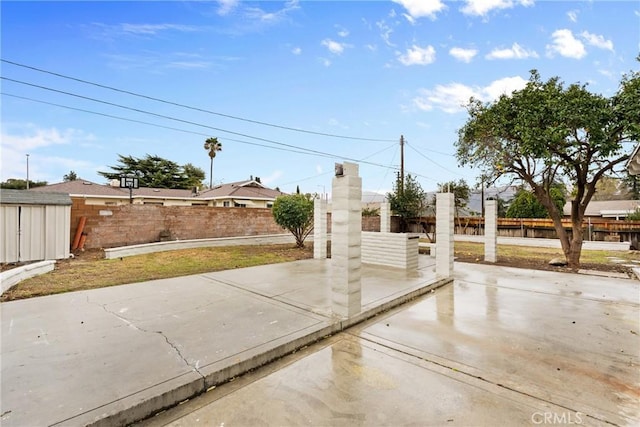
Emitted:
<point x="239" y="205"/>
<point x="226" y="204"/>
<point x="269" y="205"/>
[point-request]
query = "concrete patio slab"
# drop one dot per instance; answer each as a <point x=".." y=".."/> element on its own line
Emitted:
<point x="114" y="355"/>
<point x="499" y="346"/>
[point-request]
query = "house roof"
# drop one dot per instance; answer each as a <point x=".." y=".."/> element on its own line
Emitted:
<point x="81" y="187"/>
<point x="606" y="208"/>
<point x="25" y="197"/>
<point x="240" y="190"/>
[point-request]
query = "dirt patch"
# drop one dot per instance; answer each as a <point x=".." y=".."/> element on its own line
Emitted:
<point x="534" y="264"/>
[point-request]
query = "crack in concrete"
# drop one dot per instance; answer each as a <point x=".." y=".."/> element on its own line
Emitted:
<point x="147" y="331"/>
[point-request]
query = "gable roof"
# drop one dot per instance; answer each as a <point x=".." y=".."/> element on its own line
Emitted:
<point x="607" y="208"/>
<point x="241" y="190"/>
<point x="82" y="188"/>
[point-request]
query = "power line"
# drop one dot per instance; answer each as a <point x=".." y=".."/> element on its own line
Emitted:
<point x="137" y="110"/>
<point x="155" y="124"/>
<point x="202" y="110"/>
<point x="291" y="148"/>
<point x="435" y="163"/>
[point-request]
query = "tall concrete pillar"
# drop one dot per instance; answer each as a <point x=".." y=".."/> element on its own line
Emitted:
<point x="346" y="240"/>
<point x="491" y="231"/>
<point x="319" y="229"/>
<point x="385" y="217"/>
<point x="444" y="234"/>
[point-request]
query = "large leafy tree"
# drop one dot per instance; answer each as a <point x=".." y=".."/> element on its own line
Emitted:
<point x="212" y="145"/>
<point x="408" y="199"/>
<point x="294" y="212"/>
<point x="526" y="205"/>
<point x="548" y="133"/>
<point x="155" y="171"/>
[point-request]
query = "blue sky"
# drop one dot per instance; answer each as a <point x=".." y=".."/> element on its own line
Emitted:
<point x="354" y="76"/>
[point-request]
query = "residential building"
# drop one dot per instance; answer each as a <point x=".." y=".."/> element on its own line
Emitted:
<point x="242" y="194"/>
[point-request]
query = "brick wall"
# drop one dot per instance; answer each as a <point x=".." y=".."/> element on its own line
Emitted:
<point x="112" y="226"/>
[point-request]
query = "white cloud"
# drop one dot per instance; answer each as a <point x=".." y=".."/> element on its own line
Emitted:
<point x="418" y="56"/>
<point x="565" y="44"/>
<point x="257" y="14"/>
<point x="461" y="54"/>
<point x="448" y="98"/>
<point x="188" y="65"/>
<point x="503" y="86"/>
<point x="514" y="52"/>
<point x="421" y="8"/>
<point x="16" y="146"/>
<point x="334" y="47"/>
<point x="573" y="15"/>
<point x="452" y="98"/>
<point x="271" y="178"/>
<point x="296" y="51"/>
<point x="385" y="32"/>
<point x="319" y="169"/>
<point x="153" y="29"/>
<point x="227" y="6"/>
<point x="484" y="7"/>
<point x="597" y="41"/>
<point x="324" y="61"/>
<point x="342" y="32"/>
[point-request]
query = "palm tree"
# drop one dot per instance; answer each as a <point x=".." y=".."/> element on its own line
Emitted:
<point x="212" y="146"/>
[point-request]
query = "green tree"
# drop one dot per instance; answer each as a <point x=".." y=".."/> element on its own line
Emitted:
<point x="155" y="171"/>
<point x="408" y="200"/>
<point x="526" y="205"/>
<point x="460" y="190"/>
<point x="547" y="133"/>
<point x="21" y="184"/>
<point x="294" y="212"/>
<point x="195" y="175"/>
<point x="71" y="176"/>
<point x="212" y="145"/>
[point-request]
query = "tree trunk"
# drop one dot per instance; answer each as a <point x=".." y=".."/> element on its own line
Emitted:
<point x="211" y="174"/>
<point x="575" y="248"/>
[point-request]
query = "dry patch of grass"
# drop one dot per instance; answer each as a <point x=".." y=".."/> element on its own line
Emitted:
<point x="91" y="271"/>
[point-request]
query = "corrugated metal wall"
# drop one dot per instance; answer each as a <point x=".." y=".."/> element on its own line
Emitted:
<point x="34" y="233"/>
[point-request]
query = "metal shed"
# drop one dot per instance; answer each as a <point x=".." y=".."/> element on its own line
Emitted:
<point x="35" y="226"/>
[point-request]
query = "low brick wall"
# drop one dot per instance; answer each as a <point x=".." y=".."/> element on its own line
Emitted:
<point x="390" y="249"/>
<point x="112" y="226"/>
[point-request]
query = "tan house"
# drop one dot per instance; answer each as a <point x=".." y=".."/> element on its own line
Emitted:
<point x="241" y="194"/>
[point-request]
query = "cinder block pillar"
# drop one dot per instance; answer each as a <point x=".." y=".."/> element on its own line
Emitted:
<point x="444" y="234"/>
<point x="385" y="217"/>
<point x="319" y="229"/>
<point x="346" y="240"/>
<point x="491" y="231"/>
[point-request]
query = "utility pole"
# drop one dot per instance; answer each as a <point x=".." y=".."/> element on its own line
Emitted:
<point x="402" y="163"/>
<point x="27" y="171"/>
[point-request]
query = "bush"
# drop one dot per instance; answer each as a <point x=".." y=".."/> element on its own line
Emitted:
<point x="294" y="213"/>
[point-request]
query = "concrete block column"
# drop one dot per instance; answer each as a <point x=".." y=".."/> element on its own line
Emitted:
<point x="491" y="231"/>
<point x="385" y="217"/>
<point x="444" y="234"/>
<point x="346" y="241"/>
<point x="319" y="229"/>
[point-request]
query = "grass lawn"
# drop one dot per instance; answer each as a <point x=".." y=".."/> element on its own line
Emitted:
<point x="90" y="270"/>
